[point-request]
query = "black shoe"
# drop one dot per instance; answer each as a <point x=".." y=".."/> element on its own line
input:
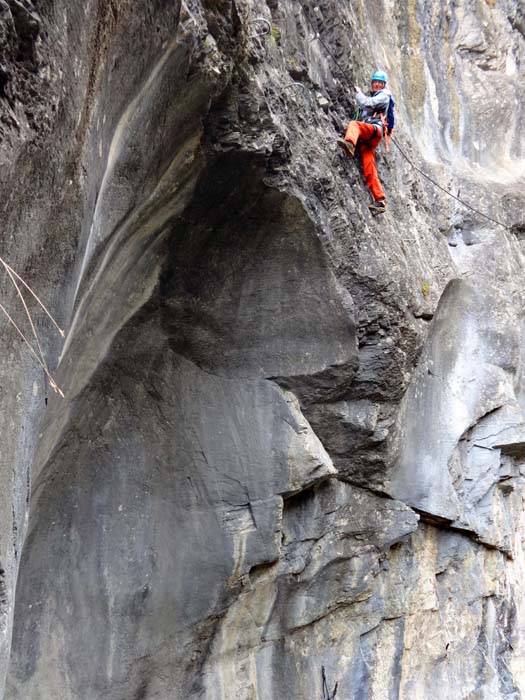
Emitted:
<point x="378" y="207"/>
<point x="348" y="147"/>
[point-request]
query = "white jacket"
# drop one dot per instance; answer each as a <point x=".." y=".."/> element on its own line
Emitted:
<point x="371" y="107"/>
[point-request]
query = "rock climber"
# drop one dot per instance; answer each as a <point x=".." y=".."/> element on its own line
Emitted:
<point x="365" y="133"/>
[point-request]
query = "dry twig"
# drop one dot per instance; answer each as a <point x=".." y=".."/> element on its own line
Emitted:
<point x="37" y="353"/>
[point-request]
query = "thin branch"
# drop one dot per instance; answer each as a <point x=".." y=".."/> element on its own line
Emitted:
<point x="27" y="314"/>
<point x="52" y="382"/>
<point x="9" y="268"/>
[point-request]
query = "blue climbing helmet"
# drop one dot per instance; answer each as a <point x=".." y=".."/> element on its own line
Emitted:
<point x="380" y="75"/>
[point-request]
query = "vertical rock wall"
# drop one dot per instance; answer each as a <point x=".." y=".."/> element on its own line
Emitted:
<point x="293" y="434"/>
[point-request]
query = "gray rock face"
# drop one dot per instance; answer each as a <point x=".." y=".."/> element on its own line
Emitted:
<point x="293" y="435"/>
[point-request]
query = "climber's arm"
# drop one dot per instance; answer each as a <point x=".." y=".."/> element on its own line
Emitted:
<point x="378" y="102"/>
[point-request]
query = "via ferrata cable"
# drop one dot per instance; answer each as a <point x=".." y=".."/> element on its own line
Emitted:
<point x="421" y="172"/>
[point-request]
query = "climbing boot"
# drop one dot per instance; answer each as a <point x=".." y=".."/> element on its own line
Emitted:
<point x="378" y="207"/>
<point x="347" y="146"/>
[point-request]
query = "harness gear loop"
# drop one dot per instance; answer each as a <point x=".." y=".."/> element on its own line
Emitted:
<point x="387" y="132"/>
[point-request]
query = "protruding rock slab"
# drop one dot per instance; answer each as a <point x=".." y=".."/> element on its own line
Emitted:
<point x="467" y="370"/>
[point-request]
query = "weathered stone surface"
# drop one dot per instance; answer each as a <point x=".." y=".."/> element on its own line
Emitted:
<point x="293" y="434"/>
<point x="216" y="504"/>
<point x="461" y="426"/>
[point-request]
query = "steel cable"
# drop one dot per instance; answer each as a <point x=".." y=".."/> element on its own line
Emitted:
<point x="421" y="172"/>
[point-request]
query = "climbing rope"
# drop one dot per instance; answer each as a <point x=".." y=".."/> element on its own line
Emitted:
<point x="421" y="172"/>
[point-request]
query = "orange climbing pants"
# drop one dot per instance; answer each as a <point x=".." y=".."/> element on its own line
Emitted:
<point x="369" y="137"/>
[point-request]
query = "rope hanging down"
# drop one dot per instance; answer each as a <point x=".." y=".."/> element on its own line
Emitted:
<point x="421" y="172"/>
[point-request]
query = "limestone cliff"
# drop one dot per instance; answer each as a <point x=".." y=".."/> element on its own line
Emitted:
<point x="293" y="435"/>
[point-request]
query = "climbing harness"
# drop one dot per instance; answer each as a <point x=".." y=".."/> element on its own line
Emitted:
<point x="421" y="172"/>
<point x="388" y="120"/>
<point x="327" y="695"/>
